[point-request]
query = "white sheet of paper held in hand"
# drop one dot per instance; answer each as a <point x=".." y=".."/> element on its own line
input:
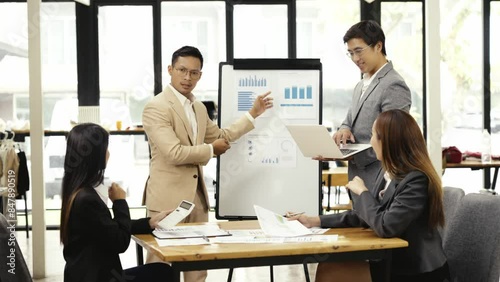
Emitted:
<point x="274" y="224"/>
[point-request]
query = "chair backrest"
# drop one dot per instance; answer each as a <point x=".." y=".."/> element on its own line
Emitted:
<point x="472" y="240"/>
<point x="14" y="266"/>
<point x="451" y="200"/>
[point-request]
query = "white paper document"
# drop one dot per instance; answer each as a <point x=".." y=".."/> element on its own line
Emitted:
<point x="276" y="225"/>
<point x="190" y="231"/>
<point x="182" y="242"/>
<point x="261" y="240"/>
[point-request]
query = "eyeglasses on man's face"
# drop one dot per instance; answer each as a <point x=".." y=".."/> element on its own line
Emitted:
<point x="194" y="74"/>
<point x="356" y="52"/>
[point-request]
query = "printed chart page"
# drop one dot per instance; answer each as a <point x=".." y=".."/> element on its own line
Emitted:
<point x="276" y="225"/>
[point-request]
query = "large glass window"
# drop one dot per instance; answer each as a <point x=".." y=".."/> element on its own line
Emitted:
<point x="14" y="79"/>
<point x="58" y="43"/>
<point x="321" y="26"/>
<point x="260" y="31"/>
<point x="462" y="84"/>
<point x="402" y="24"/>
<point x="126" y="84"/>
<point x="198" y="24"/>
<point x="126" y="58"/>
<point x="59" y="77"/>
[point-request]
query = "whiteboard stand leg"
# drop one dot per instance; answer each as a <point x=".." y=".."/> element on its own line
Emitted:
<point x="230" y="275"/>
<point x="271" y="273"/>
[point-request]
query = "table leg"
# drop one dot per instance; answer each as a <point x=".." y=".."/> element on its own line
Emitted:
<point x="495" y="175"/>
<point x="387" y="267"/>
<point x="176" y="275"/>
<point x="140" y="257"/>
<point x="329" y="190"/>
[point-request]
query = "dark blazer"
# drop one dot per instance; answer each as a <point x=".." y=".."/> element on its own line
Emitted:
<point x="403" y="213"/>
<point x="95" y="238"/>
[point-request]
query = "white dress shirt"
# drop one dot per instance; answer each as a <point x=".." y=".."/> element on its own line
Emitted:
<point x="367" y="79"/>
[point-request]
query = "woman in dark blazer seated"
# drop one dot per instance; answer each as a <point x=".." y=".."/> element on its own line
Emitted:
<point x="406" y="202"/>
<point x="93" y="239"/>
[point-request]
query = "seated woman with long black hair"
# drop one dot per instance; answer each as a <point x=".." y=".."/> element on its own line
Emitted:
<point x="406" y="202"/>
<point x="93" y="239"/>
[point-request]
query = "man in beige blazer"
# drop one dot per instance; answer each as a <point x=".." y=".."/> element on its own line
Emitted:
<point x="182" y="139"/>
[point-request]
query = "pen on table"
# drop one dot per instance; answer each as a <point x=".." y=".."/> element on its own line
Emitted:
<point x="294" y="214"/>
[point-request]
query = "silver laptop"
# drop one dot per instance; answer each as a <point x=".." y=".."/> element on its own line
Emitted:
<point x="314" y="140"/>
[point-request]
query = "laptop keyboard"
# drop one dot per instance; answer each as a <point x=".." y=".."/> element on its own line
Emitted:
<point x="346" y="151"/>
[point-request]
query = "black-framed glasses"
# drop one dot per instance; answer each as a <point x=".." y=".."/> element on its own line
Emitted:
<point x="194" y="74"/>
<point x="358" y="52"/>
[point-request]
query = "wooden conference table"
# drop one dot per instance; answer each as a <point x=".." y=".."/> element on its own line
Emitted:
<point x="352" y="244"/>
<point x="475" y="164"/>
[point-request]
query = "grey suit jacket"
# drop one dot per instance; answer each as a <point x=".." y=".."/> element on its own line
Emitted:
<point x="176" y="158"/>
<point x="387" y="91"/>
<point x="403" y="213"/>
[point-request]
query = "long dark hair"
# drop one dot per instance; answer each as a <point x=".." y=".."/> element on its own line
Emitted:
<point x="84" y="166"/>
<point x="404" y="150"/>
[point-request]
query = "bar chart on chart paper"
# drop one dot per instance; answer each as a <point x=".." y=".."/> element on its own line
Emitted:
<point x="248" y="89"/>
<point x="298" y="97"/>
<point x="298" y="102"/>
<point x="252" y="81"/>
<point x="303" y="94"/>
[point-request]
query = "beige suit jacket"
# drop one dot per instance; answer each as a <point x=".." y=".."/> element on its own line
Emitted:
<point x="176" y="159"/>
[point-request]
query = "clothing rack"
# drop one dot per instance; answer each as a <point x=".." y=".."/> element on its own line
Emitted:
<point x="13" y="158"/>
<point x="7" y="134"/>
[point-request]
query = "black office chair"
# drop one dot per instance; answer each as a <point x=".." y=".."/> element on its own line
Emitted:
<point x="7" y="253"/>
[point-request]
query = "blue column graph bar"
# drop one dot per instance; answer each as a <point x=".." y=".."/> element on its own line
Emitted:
<point x="302" y="93"/>
<point x="245" y="100"/>
<point x="309" y="92"/>
<point x="294" y="92"/>
<point x="287" y="93"/>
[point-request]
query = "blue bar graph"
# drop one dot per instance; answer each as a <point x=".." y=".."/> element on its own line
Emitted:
<point x="252" y="81"/>
<point x="245" y="100"/>
<point x="302" y="93"/>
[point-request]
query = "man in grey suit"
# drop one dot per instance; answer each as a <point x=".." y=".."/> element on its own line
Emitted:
<point x="381" y="89"/>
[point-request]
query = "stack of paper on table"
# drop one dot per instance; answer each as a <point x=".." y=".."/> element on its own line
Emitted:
<point x="190" y="231"/>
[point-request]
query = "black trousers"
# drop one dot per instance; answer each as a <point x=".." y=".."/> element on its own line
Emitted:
<point x="151" y="272"/>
